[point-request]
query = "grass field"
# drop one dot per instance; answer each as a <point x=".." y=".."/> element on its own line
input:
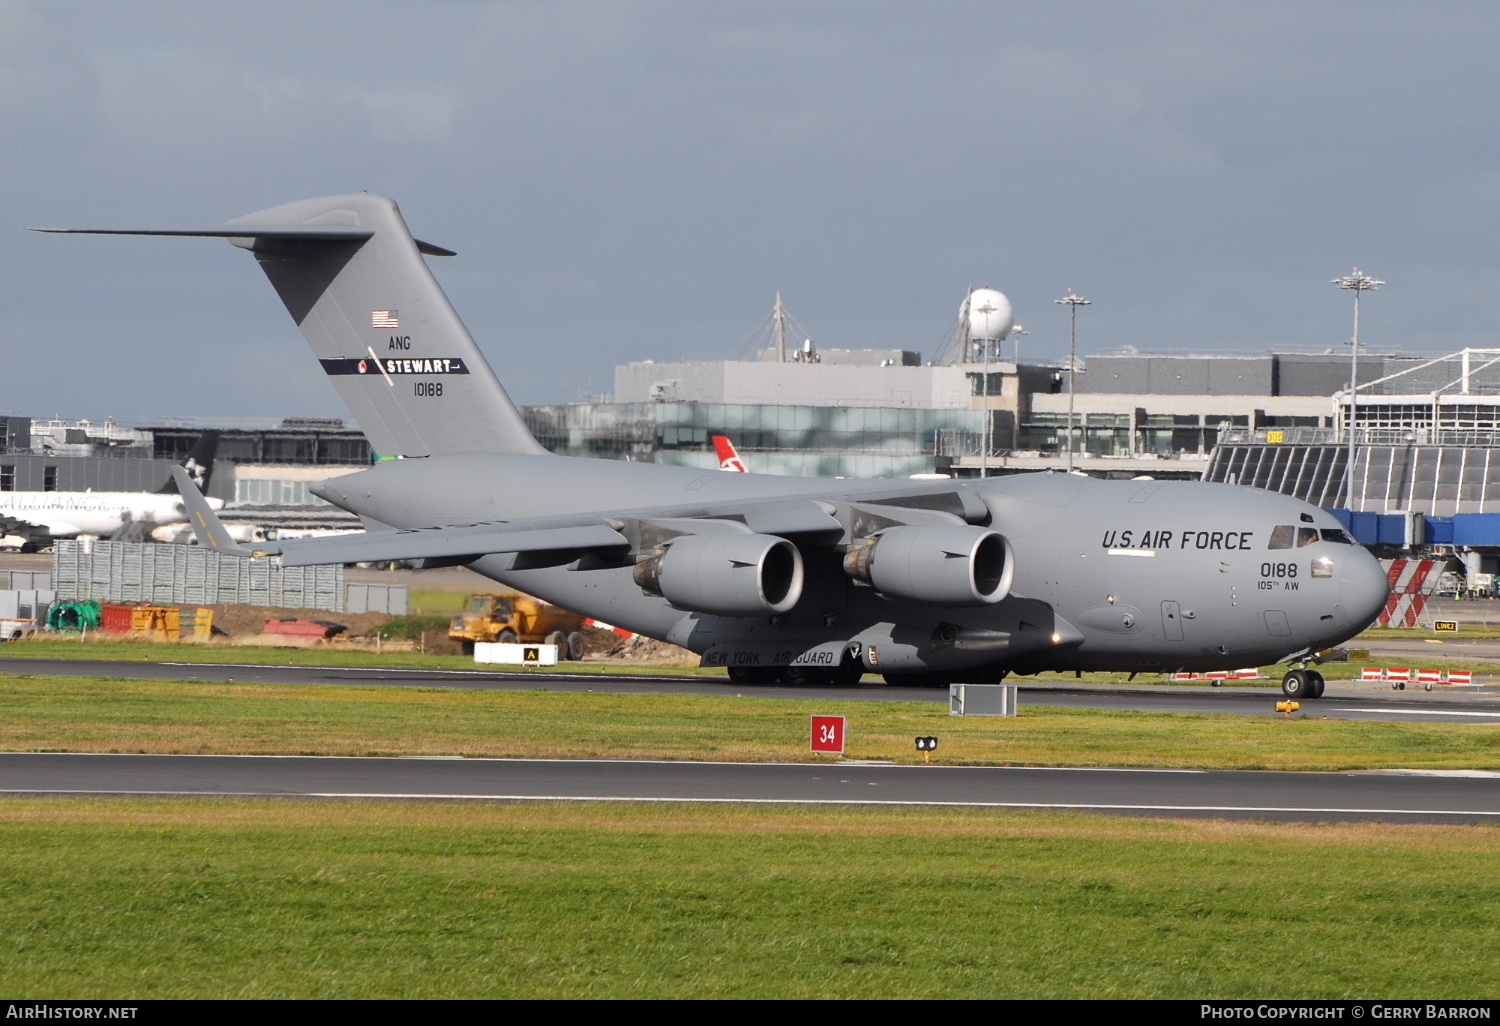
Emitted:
<point x="126" y="898"/>
<point x="123" y="715"/>
<point x="437" y="600"/>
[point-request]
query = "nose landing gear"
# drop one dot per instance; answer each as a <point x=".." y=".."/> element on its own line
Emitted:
<point x="1302" y="684"/>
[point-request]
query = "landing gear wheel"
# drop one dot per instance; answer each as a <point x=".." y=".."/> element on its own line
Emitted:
<point x="507" y="637"/>
<point x="752" y="675"/>
<point x="1314" y="684"/>
<point x="918" y="680"/>
<point x="801" y="676"/>
<point x="578" y="646"/>
<point x="1295" y="684"/>
<point x="847" y="674"/>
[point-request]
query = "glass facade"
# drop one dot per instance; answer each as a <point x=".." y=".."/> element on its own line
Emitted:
<point x="800" y="441"/>
<point x="1437" y="480"/>
<point x="269" y="492"/>
<point x="283" y="448"/>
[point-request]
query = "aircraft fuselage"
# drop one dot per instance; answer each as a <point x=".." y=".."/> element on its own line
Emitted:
<point x="1109" y="575"/>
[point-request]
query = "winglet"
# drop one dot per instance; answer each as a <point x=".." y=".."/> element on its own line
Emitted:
<point x="209" y="529"/>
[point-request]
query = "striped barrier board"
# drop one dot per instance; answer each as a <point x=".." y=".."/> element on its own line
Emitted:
<point x="1247" y="674"/>
<point x="1398" y="673"/>
<point x="1429" y="676"/>
<point x="1412" y="582"/>
<point x="1372" y="673"/>
<point x="1461" y="678"/>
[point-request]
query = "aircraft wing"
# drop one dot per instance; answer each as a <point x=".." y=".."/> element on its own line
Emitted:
<point x="812" y="520"/>
<point x="471" y="540"/>
<point x="829" y="522"/>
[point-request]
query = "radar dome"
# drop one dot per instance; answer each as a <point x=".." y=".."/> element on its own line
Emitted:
<point x="990" y="315"/>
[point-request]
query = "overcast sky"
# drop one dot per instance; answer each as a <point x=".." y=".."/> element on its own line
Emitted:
<point x="630" y="181"/>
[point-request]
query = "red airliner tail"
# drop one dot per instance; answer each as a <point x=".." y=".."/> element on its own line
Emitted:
<point x="728" y="458"/>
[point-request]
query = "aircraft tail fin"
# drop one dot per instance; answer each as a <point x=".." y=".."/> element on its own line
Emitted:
<point x="353" y="278"/>
<point x="199" y="463"/>
<point x="729" y="457"/>
<point x="208" y="528"/>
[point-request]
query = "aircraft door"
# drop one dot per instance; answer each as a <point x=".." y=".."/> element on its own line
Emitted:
<point x="1276" y="623"/>
<point x="1171" y="620"/>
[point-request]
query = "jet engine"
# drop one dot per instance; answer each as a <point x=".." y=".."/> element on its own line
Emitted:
<point x="949" y="566"/>
<point x="725" y="574"/>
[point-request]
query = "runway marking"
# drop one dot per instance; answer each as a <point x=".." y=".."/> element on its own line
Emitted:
<point x="873" y="763"/>
<point x="1482" y="774"/>
<point x="1418" y="712"/>
<point x="1067" y="806"/>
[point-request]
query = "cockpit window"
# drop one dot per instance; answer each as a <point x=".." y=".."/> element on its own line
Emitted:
<point x="1285" y="536"/>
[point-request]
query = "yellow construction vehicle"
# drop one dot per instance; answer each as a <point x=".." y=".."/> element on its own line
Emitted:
<point x="517" y="618"/>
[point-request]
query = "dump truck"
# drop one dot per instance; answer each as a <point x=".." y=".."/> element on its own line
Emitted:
<point x="519" y="618"/>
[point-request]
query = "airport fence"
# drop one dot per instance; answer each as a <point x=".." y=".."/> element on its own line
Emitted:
<point x="26" y="579"/>
<point x="188" y="575"/>
<point x="377" y="598"/>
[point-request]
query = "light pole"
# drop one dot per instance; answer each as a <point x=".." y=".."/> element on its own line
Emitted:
<point x="1072" y="301"/>
<point x="1357" y="283"/>
<point x="984" y="391"/>
<point x="1015" y="421"/>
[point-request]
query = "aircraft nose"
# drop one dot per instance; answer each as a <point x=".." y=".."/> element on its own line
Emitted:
<point x="1364" y="588"/>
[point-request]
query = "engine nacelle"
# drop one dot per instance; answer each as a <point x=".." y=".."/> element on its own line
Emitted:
<point x="949" y="566"/>
<point x="725" y="574"/>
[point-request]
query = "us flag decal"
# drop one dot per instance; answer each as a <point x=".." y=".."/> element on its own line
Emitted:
<point x="383" y="319"/>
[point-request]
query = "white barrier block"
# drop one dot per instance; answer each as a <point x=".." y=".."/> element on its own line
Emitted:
<point x="982" y="699"/>
<point x="512" y="654"/>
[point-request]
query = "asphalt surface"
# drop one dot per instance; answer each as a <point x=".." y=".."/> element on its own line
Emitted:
<point x="1462" y="797"/>
<point x="1395" y="797"/>
<point x="1344" y="700"/>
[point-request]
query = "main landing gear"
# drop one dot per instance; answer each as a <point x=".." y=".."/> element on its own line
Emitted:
<point x="1302" y="684"/>
<point x="846" y="674"/>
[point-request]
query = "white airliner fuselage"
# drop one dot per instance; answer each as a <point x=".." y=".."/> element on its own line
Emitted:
<point x="70" y="514"/>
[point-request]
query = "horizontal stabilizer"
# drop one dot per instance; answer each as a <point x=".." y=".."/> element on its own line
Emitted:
<point x="293" y="232"/>
<point x="289" y="233"/>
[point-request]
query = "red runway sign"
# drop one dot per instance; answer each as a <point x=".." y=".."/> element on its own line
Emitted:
<point x="828" y="734"/>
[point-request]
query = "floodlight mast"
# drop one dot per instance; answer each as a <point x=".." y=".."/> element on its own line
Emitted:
<point x="1357" y="282"/>
<point x="1072" y="301"/>
<point x="984" y="455"/>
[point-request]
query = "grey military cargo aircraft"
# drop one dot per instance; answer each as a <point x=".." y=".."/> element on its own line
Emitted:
<point x="799" y="580"/>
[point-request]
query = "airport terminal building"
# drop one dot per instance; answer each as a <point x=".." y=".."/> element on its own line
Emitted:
<point x="1425" y="431"/>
